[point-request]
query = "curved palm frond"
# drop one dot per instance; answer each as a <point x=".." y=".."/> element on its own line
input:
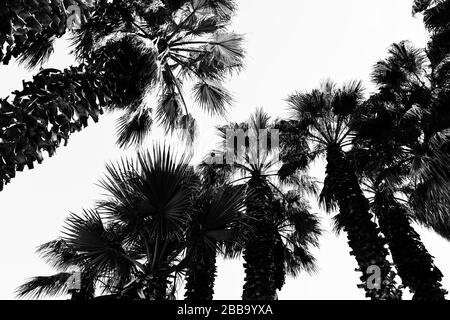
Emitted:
<point x="39" y="287"/>
<point x="184" y="41"/>
<point x="132" y="129"/>
<point x="165" y="184"/>
<point x="58" y="254"/>
<point x="100" y="247"/>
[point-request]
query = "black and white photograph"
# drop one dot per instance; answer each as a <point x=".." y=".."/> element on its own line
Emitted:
<point x="221" y="157"/>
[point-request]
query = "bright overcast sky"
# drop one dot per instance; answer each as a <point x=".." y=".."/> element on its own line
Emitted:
<point x="292" y="45"/>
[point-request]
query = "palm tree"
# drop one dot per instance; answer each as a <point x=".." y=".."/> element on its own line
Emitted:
<point x="418" y="91"/>
<point x="414" y="90"/>
<point x="216" y="223"/>
<point x="436" y="19"/>
<point x="324" y="118"/>
<point x="126" y="51"/>
<point x="256" y="163"/>
<point x="398" y="152"/>
<point x="132" y="243"/>
<point x="296" y="231"/>
<point x="142" y="238"/>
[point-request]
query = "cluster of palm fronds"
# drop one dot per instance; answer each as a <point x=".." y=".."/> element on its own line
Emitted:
<point x="162" y="220"/>
<point x="127" y="50"/>
<point x="387" y="158"/>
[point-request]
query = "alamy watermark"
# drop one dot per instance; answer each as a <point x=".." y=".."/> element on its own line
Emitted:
<point x="374" y="280"/>
<point x="74" y="15"/>
<point x="247" y="147"/>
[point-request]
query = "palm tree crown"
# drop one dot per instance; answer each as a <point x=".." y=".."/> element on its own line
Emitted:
<point x="145" y="234"/>
<point x="126" y="51"/>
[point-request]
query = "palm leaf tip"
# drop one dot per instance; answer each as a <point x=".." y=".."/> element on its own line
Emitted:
<point x="132" y="129"/>
<point x="169" y="110"/>
<point x="37" y="287"/>
<point x="37" y="52"/>
<point x="58" y="254"/>
<point x="226" y="50"/>
<point x="212" y="96"/>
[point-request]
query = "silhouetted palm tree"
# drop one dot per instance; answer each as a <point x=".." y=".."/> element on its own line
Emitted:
<point x="324" y="118"/>
<point x="296" y="231"/>
<point x="272" y="222"/>
<point x="126" y="51"/>
<point x="217" y="222"/>
<point x="62" y="257"/>
<point x="28" y="29"/>
<point x="143" y="236"/>
<point x="400" y="152"/>
<point x="414" y="91"/>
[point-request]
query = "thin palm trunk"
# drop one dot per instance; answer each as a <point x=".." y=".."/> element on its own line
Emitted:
<point x="354" y="217"/>
<point x="260" y="247"/>
<point x="201" y="275"/>
<point x="414" y="264"/>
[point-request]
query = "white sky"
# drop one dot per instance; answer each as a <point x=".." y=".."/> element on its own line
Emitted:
<point x="292" y="45"/>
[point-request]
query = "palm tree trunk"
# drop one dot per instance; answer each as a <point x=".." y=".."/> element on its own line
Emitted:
<point x="414" y="264"/>
<point x="363" y="234"/>
<point x="280" y="262"/>
<point x="157" y="288"/>
<point x="201" y="275"/>
<point x="259" y="248"/>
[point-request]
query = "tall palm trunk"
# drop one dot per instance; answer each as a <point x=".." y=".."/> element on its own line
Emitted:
<point x="259" y="248"/>
<point x="201" y="275"/>
<point x="354" y="217"/>
<point x="279" y="260"/>
<point x="414" y="264"/>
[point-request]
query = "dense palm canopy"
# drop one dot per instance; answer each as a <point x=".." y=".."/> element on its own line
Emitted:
<point x="150" y="229"/>
<point x="410" y="108"/>
<point x="29" y="28"/>
<point x="401" y="141"/>
<point x="323" y="124"/>
<point x="126" y="52"/>
<point x="164" y="222"/>
<point x="282" y="228"/>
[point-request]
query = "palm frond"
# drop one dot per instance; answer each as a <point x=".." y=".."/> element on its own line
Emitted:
<point x="165" y="185"/>
<point x="348" y="98"/>
<point x="133" y="128"/>
<point x="405" y="63"/>
<point x="225" y="210"/>
<point x="58" y="254"/>
<point x="169" y="110"/>
<point x="226" y="49"/>
<point x="212" y="96"/>
<point x="37" y="51"/>
<point x="213" y="173"/>
<point x="421" y="5"/>
<point x="99" y="246"/>
<point x="39" y="287"/>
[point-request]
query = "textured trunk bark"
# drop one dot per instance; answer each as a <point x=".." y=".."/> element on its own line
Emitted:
<point x="201" y="275"/>
<point x="280" y="262"/>
<point x="363" y="234"/>
<point x="157" y="288"/>
<point x="414" y="264"/>
<point x="259" y="248"/>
